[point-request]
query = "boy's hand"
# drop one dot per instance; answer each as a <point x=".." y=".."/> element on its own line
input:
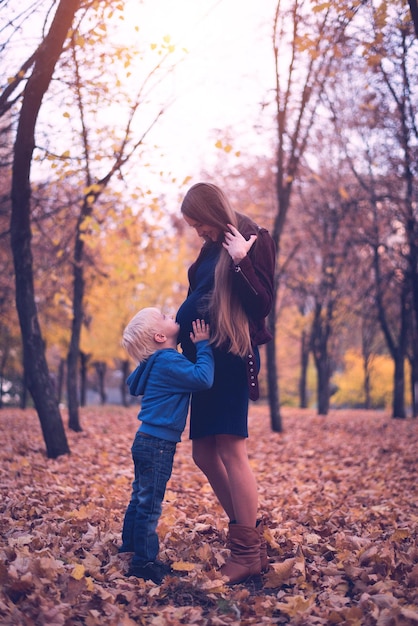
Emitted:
<point x="200" y="331"/>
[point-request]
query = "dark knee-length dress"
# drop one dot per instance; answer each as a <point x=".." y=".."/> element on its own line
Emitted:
<point x="223" y="409"/>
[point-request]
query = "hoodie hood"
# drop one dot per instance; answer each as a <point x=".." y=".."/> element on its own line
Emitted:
<point x="137" y="380"/>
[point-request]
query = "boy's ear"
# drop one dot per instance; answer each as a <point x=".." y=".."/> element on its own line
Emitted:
<point x="160" y="337"/>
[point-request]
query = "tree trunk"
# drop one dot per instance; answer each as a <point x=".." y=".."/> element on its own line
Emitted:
<point x="366" y="340"/>
<point x="101" y="373"/>
<point x="60" y="382"/>
<point x="413" y="359"/>
<point x="367" y="396"/>
<point x="413" y="5"/>
<point x="323" y="371"/>
<point x="72" y="397"/>
<point x="74" y="350"/>
<point x="304" y="361"/>
<point x="37" y="376"/>
<point x="399" y="386"/>
<point x="272" y="378"/>
<point x="35" y="365"/>
<point x="414" y="387"/>
<point x="84" y="359"/>
<point x="125" y="373"/>
<point x="397" y="351"/>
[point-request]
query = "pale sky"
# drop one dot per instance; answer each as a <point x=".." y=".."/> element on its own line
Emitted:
<point x="227" y="73"/>
<point x="218" y="88"/>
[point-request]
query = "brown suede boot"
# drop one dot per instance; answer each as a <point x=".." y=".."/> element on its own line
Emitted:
<point x="244" y="561"/>
<point x="263" y="546"/>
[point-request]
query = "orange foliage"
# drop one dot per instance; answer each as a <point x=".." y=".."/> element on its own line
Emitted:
<point x="340" y="495"/>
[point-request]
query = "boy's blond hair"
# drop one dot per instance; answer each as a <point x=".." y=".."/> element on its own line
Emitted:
<point x="138" y="337"/>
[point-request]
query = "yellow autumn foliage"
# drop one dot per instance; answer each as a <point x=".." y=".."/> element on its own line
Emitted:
<point x="350" y="382"/>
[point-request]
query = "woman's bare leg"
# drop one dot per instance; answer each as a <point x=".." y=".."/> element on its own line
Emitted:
<point x="206" y="457"/>
<point x="242" y="484"/>
<point x="224" y="461"/>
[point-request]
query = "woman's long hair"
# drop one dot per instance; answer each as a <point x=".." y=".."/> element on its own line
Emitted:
<point x="207" y="204"/>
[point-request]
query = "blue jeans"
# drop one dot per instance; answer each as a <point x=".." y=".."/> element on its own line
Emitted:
<point x="153" y="464"/>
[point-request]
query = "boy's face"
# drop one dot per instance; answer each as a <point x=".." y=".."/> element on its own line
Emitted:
<point x="168" y="327"/>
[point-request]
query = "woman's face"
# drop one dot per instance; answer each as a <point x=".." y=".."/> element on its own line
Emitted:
<point x="208" y="233"/>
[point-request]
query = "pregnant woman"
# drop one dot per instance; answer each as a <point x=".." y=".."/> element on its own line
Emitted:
<point x="231" y="288"/>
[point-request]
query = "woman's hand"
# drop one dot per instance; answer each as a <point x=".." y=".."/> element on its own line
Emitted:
<point x="236" y="245"/>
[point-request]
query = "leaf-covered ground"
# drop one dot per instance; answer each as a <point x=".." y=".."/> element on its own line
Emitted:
<point x="340" y="494"/>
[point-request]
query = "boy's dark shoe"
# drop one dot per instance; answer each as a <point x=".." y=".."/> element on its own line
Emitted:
<point x="166" y="567"/>
<point x="154" y="570"/>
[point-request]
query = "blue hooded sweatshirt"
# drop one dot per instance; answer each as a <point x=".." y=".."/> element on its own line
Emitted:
<point x="165" y="380"/>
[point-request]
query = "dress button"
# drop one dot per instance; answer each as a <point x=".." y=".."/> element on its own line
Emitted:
<point x="252" y="384"/>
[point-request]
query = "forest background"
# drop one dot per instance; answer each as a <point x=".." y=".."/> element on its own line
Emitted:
<point x="90" y="232"/>
<point x="90" y="227"/>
